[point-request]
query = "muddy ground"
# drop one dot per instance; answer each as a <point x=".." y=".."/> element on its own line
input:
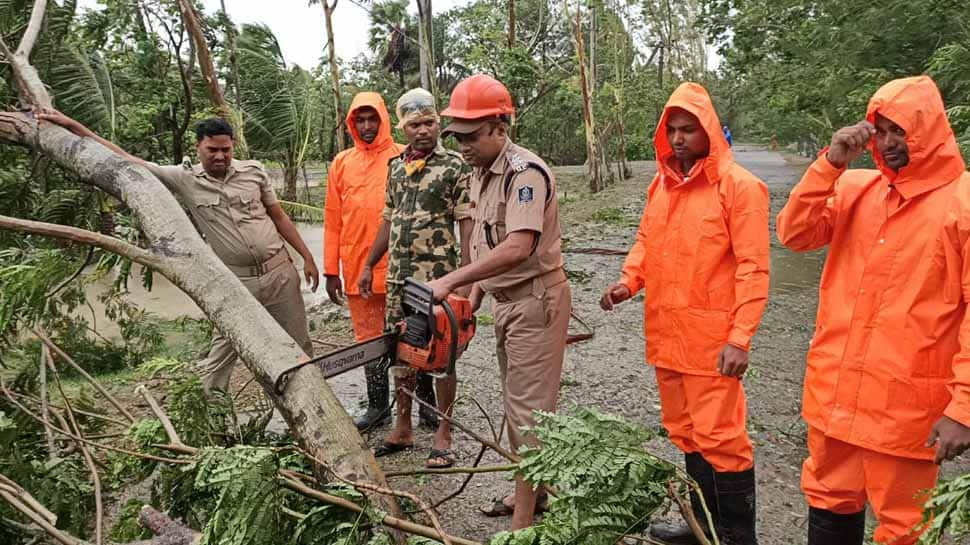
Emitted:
<point x="609" y="373"/>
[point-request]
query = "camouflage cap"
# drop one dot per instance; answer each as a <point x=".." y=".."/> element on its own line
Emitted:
<point x="414" y="105"/>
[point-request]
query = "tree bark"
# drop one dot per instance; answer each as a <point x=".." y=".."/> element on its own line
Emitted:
<point x="208" y="69"/>
<point x="511" y="37"/>
<point x="426" y="51"/>
<point x="334" y="76"/>
<point x="594" y="160"/>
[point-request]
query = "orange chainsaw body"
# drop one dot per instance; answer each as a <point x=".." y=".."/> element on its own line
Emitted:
<point x="436" y="350"/>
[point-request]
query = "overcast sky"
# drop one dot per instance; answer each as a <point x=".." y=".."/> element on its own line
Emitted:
<point x="300" y="28"/>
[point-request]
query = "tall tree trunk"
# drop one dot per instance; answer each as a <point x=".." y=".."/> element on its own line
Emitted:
<point x="511" y="38"/>
<point x="426" y="52"/>
<point x="231" y="33"/>
<point x="594" y="159"/>
<point x="334" y="76"/>
<point x="191" y="21"/>
<point x="290" y="171"/>
<point x="315" y="415"/>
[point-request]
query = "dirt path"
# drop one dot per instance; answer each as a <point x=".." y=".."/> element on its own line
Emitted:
<point x="609" y="372"/>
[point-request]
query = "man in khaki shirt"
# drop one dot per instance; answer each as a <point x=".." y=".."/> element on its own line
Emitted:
<point x="236" y="209"/>
<point x="516" y="257"/>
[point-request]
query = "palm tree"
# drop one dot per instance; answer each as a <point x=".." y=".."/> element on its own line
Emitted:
<point x="393" y="32"/>
<point x="279" y="103"/>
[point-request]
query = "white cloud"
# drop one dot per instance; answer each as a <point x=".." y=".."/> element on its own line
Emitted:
<point x="300" y="28"/>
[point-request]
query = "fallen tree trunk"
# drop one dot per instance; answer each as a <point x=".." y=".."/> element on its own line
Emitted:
<point x="314" y="414"/>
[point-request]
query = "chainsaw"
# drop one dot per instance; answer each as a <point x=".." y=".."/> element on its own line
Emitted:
<point x="430" y="338"/>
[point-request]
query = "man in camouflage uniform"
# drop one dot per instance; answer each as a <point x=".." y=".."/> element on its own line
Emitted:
<point x="427" y="195"/>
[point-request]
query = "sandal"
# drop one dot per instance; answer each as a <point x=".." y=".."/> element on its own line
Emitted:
<point x="444" y="454"/>
<point x="497" y="509"/>
<point x="385" y="448"/>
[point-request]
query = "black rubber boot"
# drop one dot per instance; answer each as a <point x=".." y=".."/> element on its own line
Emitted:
<point x="828" y="528"/>
<point x="680" y="534"/>
<point x="378" y="409"/>
<point x="425" y="392"/>
<point x="736" y="505"/>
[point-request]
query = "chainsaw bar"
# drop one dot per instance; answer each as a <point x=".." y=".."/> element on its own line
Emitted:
<point x="345" y="359"/>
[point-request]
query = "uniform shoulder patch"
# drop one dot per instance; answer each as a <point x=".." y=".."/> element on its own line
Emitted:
<point x="517" y="163"/>
<point x="526" y="194"/>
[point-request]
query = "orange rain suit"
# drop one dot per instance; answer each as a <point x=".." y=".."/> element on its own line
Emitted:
<point x="701" y="254"/>
<point x="355" y="199"/>
<point x="891" y="351"/>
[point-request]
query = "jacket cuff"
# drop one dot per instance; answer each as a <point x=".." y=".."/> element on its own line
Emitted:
<point x="632" y="284"/>
<point x="826" y="169"/>
<point x="959" y="411"/>
<point x="739" y="339"/>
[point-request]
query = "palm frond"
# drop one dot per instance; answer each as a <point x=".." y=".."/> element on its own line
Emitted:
<point x="302" y="212"/>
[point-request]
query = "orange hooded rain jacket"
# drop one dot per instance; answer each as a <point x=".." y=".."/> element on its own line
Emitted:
<point x="701" y="252"/>
<point x="355" y="199"/>
<point x="891" y="351"/>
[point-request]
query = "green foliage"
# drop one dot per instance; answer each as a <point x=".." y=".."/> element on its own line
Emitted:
<point x="139" y="437"/>
<point x="328" y="523"/>
<point x="608" y="485"/>
<point x="201" y="418"/>
<point x="948" y="512"/>
<point x="248" y="508"/>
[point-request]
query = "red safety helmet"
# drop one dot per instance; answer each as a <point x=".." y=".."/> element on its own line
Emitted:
<point x="479" y="96"/>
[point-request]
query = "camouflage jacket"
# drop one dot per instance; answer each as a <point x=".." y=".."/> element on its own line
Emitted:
<point x="423" y="210"/>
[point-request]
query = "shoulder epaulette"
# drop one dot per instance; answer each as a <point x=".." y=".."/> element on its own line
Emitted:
<point x="517" y="163"/>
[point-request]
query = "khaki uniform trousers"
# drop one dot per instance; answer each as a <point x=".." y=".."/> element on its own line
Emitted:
<point x="279" y="291"/>
<point x="530" y="334"/>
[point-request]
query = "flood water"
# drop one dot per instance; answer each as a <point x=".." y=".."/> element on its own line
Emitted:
<point x="168" y="302"/>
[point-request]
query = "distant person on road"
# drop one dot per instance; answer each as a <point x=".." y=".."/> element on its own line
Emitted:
<point x="727" y="135"/>
<point x="235" y="206"/>
<point x="887" y="388"/>
<point x="701" y="256"/>
<point x="355" y="197"/>
<point x="426" y="211"/>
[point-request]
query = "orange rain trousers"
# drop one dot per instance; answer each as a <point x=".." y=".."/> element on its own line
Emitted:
<point x="840" y="477"/>
<point x="707" y="415"/>
<point x="366" y="315"/>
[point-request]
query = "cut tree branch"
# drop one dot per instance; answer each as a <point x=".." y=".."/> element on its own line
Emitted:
<point x="175" y="442"/>
<point x="88" y="459"/>
<point x="83" y="236"/>
<point x="41" y="421"/>
<point x="42" y="335"/>
<point x="515" y="458"/>
<point x="291" y="482"/>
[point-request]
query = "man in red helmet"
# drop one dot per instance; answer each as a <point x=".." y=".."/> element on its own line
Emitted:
<point x="516" y="258"/>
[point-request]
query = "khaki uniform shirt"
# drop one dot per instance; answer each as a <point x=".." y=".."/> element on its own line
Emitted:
<point x="423" y="209"/>
<point x="528" y="204"/>
<point x="231" y="213"/>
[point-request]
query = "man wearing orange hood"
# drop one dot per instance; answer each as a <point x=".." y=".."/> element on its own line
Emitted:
<point x="701" y="254"/>
<point x="355" y="198"/>
<point x="887" y="389"/>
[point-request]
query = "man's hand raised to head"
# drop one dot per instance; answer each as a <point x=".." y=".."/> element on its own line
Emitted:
<point x="950" y="437"/>
<point x="848" y="143"/>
